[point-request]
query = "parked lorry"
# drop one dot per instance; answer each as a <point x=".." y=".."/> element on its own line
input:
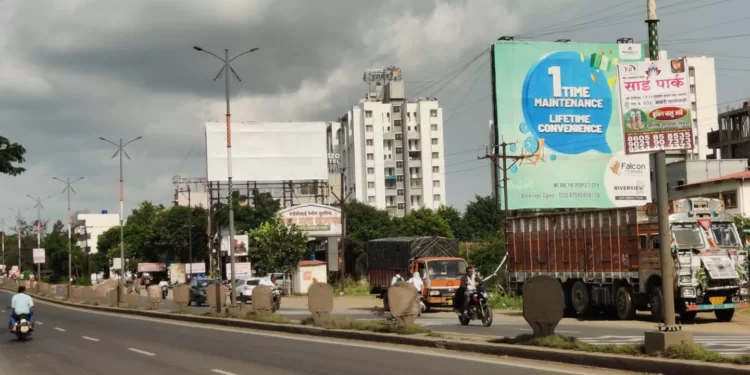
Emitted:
<point x="435" y="258"/>
<point x="609" y="260"/>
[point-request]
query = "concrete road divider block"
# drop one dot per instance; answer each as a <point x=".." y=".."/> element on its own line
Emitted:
<point x="88" y="296"/>
<point x="43" y="289"/>
<point x="180" y="296"/>
<point x="320" y="300"/>
<point x="110" y="296"/>
<point x="27" y="284"/>
<point x="262" y="298"/>
<point x="238" y="312"/>
<point x="543" y="304"/>
<point x="61" y="291"/>
<point x="133" y="300"/>
<point x="154" y="297"/>
<point x="77" y="294"/>
<point x="402" y="301"/>
<point x="211" y="296"/>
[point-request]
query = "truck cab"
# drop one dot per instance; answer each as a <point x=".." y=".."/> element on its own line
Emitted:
<point x="441" y="276"/>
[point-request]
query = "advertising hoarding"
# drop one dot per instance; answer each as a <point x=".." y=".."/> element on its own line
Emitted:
<point x="152" y="267"/>
<point x="241" y="269"/>
<point x="194" y="268"/>
<point x="557" y="104"/>
<point x="240" y="244"/>
<point x="39" y="256"/>
<point x="268" y="151"/>
<point x="655" y="106"/>
<point x="316" y="220"/>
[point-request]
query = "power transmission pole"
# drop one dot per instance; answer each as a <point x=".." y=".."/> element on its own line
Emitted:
<point x="342" y="244"/>
<point x="39" y="208"/>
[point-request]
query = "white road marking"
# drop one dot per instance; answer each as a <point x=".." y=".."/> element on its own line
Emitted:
<point x="59" y="329"/>
<point x="89" y="338"/>
<point x="40" y="323"/>
<point x="141" y="352"/>
<point x="3" y="310"/>
<point x="222" y="372"/>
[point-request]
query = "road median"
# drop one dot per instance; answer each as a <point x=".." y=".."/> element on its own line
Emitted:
<point x="419" y="337"/>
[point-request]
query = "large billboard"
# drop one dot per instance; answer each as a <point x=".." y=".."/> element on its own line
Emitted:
<point x="655" y="106"/>
<point x="268" y="151"/>
<point x="559" y="103"/>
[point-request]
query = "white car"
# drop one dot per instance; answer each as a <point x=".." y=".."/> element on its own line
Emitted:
<point x="245" y="288"/>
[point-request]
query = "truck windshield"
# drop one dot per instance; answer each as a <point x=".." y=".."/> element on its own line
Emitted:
<point x="687" y="236"/>
<point x="725" y="234"/>
<point x="446" y="269"/>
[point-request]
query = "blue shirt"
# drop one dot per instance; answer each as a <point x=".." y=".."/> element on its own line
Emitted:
<point x="21" y="303"/>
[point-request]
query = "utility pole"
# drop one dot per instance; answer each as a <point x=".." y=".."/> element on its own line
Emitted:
<point x="342" y="243"/>
<point x="39" y="208"/>
<point x="121" y="151"/>
<point x="68" y="189"/>
<point x="226" y="69"/>
<point x="18" y="236"/>
<point x="2" y="234"/>
<point x="493" y="165"/>
<point x="505" y="168"/>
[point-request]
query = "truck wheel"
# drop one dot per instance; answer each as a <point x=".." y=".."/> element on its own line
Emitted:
<point x="580" y="298"/>
<point x="688" y="316"/>
<point x="724" y="315"/>
<point x="657" y="312"/>
<point x="386" y="306"/>
<point x="570" y="311"/>
<point x="624" y="303"/>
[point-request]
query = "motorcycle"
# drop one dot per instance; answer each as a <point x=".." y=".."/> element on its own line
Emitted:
<point x="479" y="309"/>
<point x="276" y="300"/>
<point x="164" y="291"/>
<point x="23" y="328"/>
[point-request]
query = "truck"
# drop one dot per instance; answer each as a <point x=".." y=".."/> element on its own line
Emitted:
<point x="435" y="258"/>
<point x="608" y="260"/>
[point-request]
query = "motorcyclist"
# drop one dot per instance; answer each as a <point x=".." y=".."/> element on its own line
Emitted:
<point x="21" y="303"/>
<point x="164" y="285"/>
<point x="268" y="281"/>
<point x="467" y="286"/>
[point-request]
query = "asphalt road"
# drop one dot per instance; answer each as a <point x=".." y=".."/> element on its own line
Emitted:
<point x="71" y="341"/>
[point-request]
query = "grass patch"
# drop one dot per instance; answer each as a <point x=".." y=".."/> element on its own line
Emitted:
<point x="380" y="326"/>
<point x="499" y="302"/>
<point x="683" y="351"/>
<point x="352" y="287"/>
<point x="267" y="318"/>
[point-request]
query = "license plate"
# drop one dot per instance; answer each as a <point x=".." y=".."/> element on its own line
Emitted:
<point x="450" y="302"/>
<point x="717" y="300"/>
<point x="24" y="329"/>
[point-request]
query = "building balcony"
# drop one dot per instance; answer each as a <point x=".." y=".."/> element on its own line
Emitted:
<point x="415" y="163"/>
<point x="390" y="178"/>
<point x="389" y="135"/>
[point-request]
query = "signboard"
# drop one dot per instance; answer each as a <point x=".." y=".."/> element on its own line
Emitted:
<point x="39" y="256"/>
<point x="152" y="267"/>
<point x="241" y="269"/>
<point x="240" y="244"/>
<point x="193" y="268"/>
<point x="556" y="103"/>
<point x="655" y="106"/>
<point x="314" y="219"/>
<point x="382" y="75"/>
<point x="116" y="263"/>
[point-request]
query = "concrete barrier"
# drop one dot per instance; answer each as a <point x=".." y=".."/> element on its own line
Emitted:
<point x="180" y="296"/>
<point x="320" y="300"/>
<point x="543" y="304"/>
<point x="133" y="300"/>
<point x="61" y="291"/>
<point x="402" y="301"/>
<point x="154" y="297"/>
<point x="211" y="296"/>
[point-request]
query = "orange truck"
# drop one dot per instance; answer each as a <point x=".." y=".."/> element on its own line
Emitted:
<point x="435" y="258"/>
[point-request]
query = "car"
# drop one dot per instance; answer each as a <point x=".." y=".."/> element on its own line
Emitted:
<point x="245" y="288"/>
<point x="198" y="288"/>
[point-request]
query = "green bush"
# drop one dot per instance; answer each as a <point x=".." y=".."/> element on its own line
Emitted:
<point x="352" y="287"/>
<point x="500" y="302"/>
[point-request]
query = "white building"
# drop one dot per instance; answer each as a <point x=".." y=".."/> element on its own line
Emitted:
<point x="385" y="136"/>
<point x="732" y="189"/>
<point x="92" y="226"/>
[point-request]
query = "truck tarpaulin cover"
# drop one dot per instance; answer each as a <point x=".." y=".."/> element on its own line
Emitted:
<point x="395" y="253"/>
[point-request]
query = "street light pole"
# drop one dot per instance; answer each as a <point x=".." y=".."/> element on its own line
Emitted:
<point x="121" y="151"/>
<point x="18" y="236"/>
<point x="226" y="69"/>
<point x="68" y="189"/>
<point x="38" y="207"/>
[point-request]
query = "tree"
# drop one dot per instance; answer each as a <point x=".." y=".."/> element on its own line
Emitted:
<point x="10" y="153"/>
<point x="364" y="223"/>
<point x="423" y="222"/>
<point x="247" y="217"/>
<point x="275" y="247"/>
<point x="455" y="222"/>
<point x="174" y="237"/>
<point x="483" y="219"/>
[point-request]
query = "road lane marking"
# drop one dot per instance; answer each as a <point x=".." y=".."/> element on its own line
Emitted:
<point x="141" y="352"/>
<point x="40" y="323"/>
<point x="222" y="372"/>
<point x="89" y="338"/>
<point x="59" y="329"/>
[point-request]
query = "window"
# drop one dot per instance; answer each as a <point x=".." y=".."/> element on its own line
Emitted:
<point x="371" y="199"/>
<point x="370" y="170"/>
<point x="436" y="197"/>
<point x="433" y="113"/>
<point x="368" y="114"/>
<point x="400" y="177"/>
<point x="436" y="183"/>
<point x="401" y="206"/>
<point x="434" y="141"/>
<point x="370" y="142"/>
<point x="399" y="164"/>
<point x="691" y="71"/>
<point x="435" y="169"/>
<point x="692" y="89"/>
<point x="435" y="155"/>
<point x="371" y="185"/>
<point x="416" y="128"/>
<point x="397" y="109"/>
<point x="730" y="199"/>
<point x="399" y="136"/>
<point x="397" y="122"/>
<point x="370" y="157"/>
<point x="433" y="127"/>
<point x="399" y="150"/>
<point x="368" y="128"/>
<point x="400" y="191"/>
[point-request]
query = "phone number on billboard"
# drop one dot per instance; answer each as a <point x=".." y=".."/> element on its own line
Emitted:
<point x="646" y="142"/>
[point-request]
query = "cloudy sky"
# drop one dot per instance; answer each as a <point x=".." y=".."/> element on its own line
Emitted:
<point x="74" y="70"/>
